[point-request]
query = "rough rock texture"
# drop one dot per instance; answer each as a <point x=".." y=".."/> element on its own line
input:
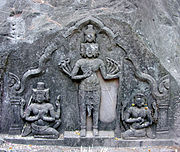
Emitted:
<point x="156" y="21"/>
<point x="7" y="146"/>
<point x="33" y="148"/>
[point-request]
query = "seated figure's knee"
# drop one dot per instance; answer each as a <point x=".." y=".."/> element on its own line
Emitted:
<point x="52" y="131"/>
<point x="56" y="133"/>
<point x="57" y="124"/>
<point x="128" y="133"/>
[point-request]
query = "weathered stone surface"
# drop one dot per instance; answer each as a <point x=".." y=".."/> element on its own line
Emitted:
<point x="156" y="21"/>
<point x="109" y="93"/>
<point x="42" y="41"/>
<point x="90" y="141"/>
<point x="35" y="148"/>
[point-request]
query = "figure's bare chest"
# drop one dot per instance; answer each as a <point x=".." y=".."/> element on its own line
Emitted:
<point x="90" y="65"/>
<point x="39" y="109"/>
<point x="136" y="112"/>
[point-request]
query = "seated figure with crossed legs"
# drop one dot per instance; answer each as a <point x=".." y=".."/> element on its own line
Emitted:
<point x="139" y="117"/>
<point x="41" y="118"/>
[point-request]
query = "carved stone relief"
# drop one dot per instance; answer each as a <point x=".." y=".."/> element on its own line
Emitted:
<point x="106" y="72"/>
<point x="89" y="87"/>
<point x="41" y="117"/>
<point x="139" y="116"/>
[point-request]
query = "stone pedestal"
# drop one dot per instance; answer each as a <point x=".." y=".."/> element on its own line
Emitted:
<point x="106" y="138"/>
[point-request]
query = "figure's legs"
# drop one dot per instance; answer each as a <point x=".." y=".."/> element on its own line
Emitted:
<point x="27" y="130"/>
<point x="96" y="112"/>
<point x="128" y="133"/>
<point x="95" y="119"/>
<point x="47" y="133"/>
<point x="150" y="133"/>
<point x="82" y="107"/>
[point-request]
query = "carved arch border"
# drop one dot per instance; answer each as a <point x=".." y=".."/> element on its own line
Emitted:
<point x="90" y="20"/>
<point x="20" y="84"/>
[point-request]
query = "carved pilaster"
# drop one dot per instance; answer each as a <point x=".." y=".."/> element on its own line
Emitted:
<point x="1" y="94"/>
<point x="177" y="118"/>
<point x="16" y="127"/>
<point x="162" y="124"/>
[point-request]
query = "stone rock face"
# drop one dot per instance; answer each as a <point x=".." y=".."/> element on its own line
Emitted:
<point x="115" y="61"/>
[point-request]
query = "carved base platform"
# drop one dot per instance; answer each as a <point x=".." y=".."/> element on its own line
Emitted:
<point x="105" y="138"/>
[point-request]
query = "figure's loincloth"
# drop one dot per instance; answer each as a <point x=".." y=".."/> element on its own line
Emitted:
<point x="90" y="99"/>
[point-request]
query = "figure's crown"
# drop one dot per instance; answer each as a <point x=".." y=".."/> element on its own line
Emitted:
<point x="139" y="95"/>
<point x="90" y="29"/>
<point x="41" y="90"/>
<point x="40" y="86"/>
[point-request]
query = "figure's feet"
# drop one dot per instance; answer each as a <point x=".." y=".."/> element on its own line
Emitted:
<point x="83" y="133"/>
<point x="95" y="132"/>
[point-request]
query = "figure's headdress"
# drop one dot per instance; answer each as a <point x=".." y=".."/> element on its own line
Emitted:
<point x="90" y="30"/>
<point x="139" y="95"/>
<point x="41" y="90"/>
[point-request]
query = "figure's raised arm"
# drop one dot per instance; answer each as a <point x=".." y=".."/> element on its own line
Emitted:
<point x="65" y="66"/>
<point x="104" y="72"/>
<point x="57" y="114"/>
<point x="22" y="108"/>
<point x="149" y="117"/>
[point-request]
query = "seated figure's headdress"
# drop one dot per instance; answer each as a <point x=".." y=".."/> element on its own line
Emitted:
<point x="41" y="90"/>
